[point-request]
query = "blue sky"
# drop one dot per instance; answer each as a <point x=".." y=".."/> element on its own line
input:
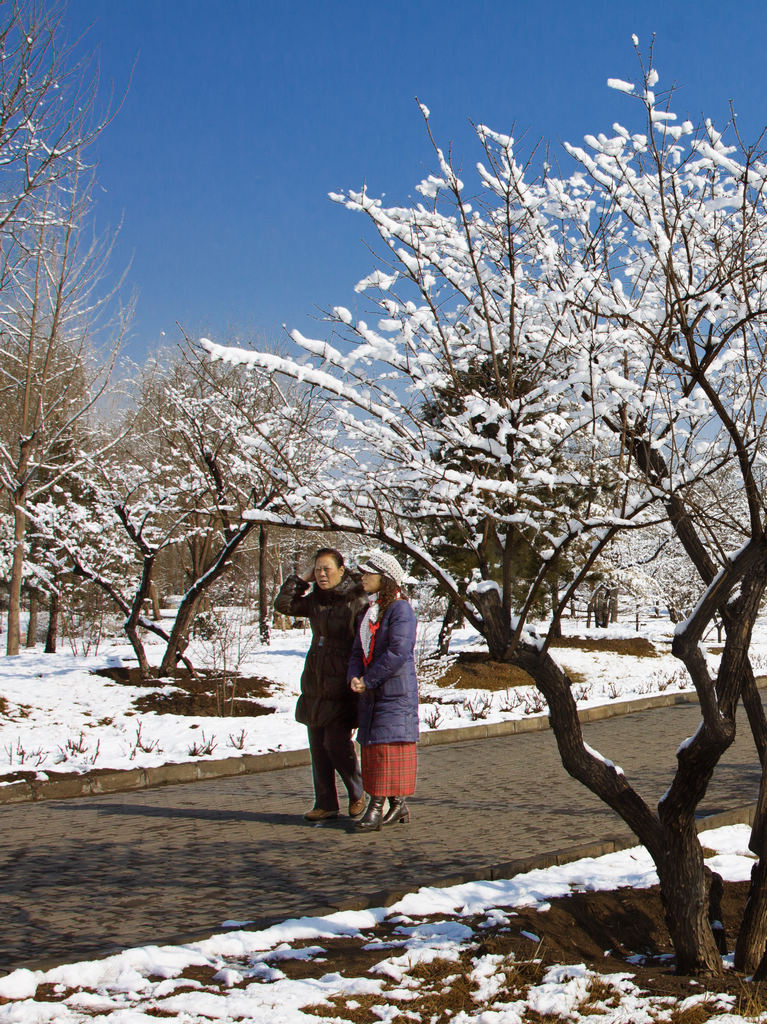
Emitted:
<point x="241" y="115"/>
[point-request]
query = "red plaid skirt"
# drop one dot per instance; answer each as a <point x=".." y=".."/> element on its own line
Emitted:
<point x="389" y="769"/>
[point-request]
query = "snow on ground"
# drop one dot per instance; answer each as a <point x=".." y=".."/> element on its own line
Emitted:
<point x="244" y="980"/>
<point x="59" y="716"/>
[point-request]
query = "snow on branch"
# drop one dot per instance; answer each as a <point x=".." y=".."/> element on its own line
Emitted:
<point x="620" y="85"/>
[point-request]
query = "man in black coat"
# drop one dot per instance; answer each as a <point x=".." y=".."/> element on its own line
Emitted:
<point x="326" y="706"/>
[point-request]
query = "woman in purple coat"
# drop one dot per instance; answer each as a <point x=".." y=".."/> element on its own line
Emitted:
<point x="382" y="672"/>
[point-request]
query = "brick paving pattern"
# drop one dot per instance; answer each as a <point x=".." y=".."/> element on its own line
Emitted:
<point x="82" y="877"/>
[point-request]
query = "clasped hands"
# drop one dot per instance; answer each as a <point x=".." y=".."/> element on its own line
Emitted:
<point x="357" y="685"/>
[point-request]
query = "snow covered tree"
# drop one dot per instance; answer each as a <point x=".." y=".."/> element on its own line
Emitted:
<point x="48" y="272"/>
<point x="207" y="444"/>
<point x="240" y="436"/>
<point x="452" y="435"/>
<point x="630" y="297"/>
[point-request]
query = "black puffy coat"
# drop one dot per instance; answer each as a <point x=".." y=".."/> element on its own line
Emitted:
<point x="333" y="614"/>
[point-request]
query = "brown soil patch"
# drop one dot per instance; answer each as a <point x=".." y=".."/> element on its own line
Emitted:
<point x="196" y="697"/>
<point x="609" y="931"/>
<point x="475" y="670"/>
<point x="635" y="646"/>
<point x="622" y="931"/>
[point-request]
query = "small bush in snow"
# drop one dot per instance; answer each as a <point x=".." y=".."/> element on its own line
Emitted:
<point x="510" y="702"/>
<point x="432" y="716"/>
<point x="145" y="747"/>
<point x="22" y="756"/>
<point x="534" y="702"/>
<point x="238" y="741"/>
<point x="662" y="681"/>
<point x="203" y="748"/>
<point x="479" y="706"/>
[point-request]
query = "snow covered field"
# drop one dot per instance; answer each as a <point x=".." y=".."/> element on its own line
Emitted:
<point x="244" y="975"/>
<point x="57" y="715"/>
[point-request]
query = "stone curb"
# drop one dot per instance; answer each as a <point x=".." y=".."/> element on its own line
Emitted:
<point x="114" y="780"/>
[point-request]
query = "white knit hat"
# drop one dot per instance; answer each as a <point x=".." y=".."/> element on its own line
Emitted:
<point x="383" y="563"/>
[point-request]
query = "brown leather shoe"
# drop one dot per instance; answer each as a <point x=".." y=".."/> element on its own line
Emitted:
<point x="356" y="807"/>
<point x="317" y="814"/>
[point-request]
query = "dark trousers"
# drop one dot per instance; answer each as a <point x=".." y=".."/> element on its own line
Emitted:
<point x="333" y="751"/>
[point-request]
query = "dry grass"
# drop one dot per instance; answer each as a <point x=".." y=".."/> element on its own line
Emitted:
<point x="445" y="987"/>
<point x="752" y="999"/>
<point x="601" y="996"/>
<point x="699" y="1013"/>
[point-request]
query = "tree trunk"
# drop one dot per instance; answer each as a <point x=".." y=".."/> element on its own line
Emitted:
<point x="154" y="598"/>
<point x="452" y="618"/>
<point x="144" y="667"/>
<point x="34" y="605"/>
<point x="17" y="573"/>
<point x="263" y="595"/>
<point x="496" y="625"/>
<point x="600" y="604"/>
<point x="614" y="592"/>
<point x="556" y="628"/>
<point x="750" y="948"/>
<point x="132" y="622"/>
<point x="752" y="702"/>
<point x="752" y="936"/>
<point x="669" y="836"/>
<point x="51" y="635"/>
<point x="508" y="573"/>
<point x="179" y="634"/>
<point x="685" y="889"/>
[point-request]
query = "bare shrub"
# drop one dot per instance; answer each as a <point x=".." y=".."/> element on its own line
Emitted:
<point x="430" y="665"/>
<point x="479" y="706"/>
<point x="582" y="692"/>
<point x="231" y="635"/>
<point x="432" y="716"/>
<point x="21" y="756"/>
<point x="204" y="748"/>
<point x="72" y="747"/>
<point x="237" y="742"/>
<point x="534" y="702"/>
<point x="84" y="617"/>
<point x="140" y="744"/>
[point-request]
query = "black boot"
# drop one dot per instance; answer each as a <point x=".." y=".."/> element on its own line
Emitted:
<point x="371" y="822"/>
<point x="398" y="811"/>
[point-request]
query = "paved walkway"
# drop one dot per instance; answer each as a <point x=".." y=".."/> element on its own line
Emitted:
<point x="81" y="877"/>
